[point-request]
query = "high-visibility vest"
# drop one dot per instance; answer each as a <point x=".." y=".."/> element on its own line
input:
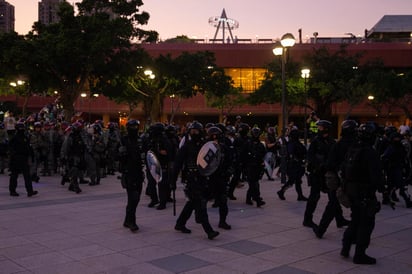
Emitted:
<point x="313" y="127"/>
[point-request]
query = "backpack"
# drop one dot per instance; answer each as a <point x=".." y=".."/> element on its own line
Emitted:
<point x="351" y="172"/>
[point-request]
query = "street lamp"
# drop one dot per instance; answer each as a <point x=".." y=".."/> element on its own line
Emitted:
<point x="172" y="113"/>
<point x="305" y="75"/>
<point x="287" y="41"/>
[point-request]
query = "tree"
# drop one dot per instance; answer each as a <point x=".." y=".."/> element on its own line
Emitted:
<point x="221" y="93"/>
<point x="76" y="52"/>
<point x="390" y="88"/>
<point x="183" y="77"/>
<point x="270" y="90"/>
<point x="19" y="68"/>
<point x="334" y="78"/>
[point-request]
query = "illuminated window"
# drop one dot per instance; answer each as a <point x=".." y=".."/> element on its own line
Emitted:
<point x="249" y="79"/>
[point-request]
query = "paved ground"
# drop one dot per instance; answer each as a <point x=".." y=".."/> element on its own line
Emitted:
<point x="61" y="232"/>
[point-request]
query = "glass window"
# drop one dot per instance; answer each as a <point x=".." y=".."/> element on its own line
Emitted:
<point x="249" y="79"/>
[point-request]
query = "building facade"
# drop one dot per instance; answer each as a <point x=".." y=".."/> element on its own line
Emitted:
<point x="6" y="17"/>
<point x="48" y="11"/>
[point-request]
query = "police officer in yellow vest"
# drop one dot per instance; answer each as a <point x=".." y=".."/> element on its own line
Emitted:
<point x="312" y="120"/>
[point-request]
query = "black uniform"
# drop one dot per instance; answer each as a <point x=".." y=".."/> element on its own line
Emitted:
<point x="395" y="161"/>
<point x="238" y="144"/>
<point x="333" y="209"/>
<point x="361" y="190"/>
<point x="20" y="155"/>
<point x="196" y="188"/>
<point x="73" y="153"/>
<point x="219" y="180"/>
<point x="160" y="145"/>
<point x="295" y="168"/>
<point x="317" y="156"/>
<point x="252" y="156"/>
<point x="131" y="167"/>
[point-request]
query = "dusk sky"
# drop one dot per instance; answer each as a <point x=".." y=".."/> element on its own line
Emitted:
<point x="257" y="19"/>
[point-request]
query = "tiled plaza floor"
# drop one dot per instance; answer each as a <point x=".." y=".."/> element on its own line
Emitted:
<point x="58" y="231"/>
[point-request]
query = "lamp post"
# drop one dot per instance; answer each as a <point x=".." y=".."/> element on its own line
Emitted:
<point x="287" y="41"/>
<point x="172" y="110"/>
<point x="305" y="75"/>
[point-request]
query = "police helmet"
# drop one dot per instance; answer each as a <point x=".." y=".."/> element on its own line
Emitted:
<point x="20" y="126"/>
<point x="222" y="127"/>
<point x="209" y="125"/>
<point x="156" y="129"/>
<point x="99" y="122"/>
<point x="243" y="129"/>
<point x="324" y="123"/>
<point x="231" y="130"/>
<point x="367" y="131"/>
<point x="97" y="127"/>
<point x="196" y="125"/>
<point x="214" y="132"/>
<point x="37" y="125"/>
<point x="133" y="123"/>
<point x="294" y="134"/>
<point x="349" y="127"/>
<point x="256" y="132"/>
<point x="171" y="130"/>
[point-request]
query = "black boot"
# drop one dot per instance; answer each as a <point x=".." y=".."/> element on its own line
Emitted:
<point x="223" y="224"/>
<point x="342" y="222"/>
<point x="281" y="194"/>
<point x="318" y="231"/>
<point x="308" y="223"/>
<point x="299" y="191"/>
<point x="211" y="235"/>
<point x="344" y="252"/>
<point x="249" y="199"/>
<point x="183" y="229"/>
<point x="363" y="259"/>
<point x="130" y="224"/>
<point x="260" y="202"/>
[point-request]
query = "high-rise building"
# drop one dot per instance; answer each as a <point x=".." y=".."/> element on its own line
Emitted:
<point x="6" y="16"/>
<point x="48" y="11"/>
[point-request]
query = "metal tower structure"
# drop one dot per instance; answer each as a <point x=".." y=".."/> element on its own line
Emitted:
<point x="224" y="23"/>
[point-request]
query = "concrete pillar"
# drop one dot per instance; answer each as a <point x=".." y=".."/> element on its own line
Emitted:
<point x="280" y="125"/>
<point x="106" y="118"/>
<point x="341" y="118"/>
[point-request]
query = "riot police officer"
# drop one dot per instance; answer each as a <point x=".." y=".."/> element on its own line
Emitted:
<point x="218" y="180"/>
<point x="295" y="168"/>
<point x="361" y="187"/>
<point x="240" y="140"/>
<point x="130" y="153"/>
<point x="21" y="154"/>
<point x="395" y="159"/>
<point x="73" y="153"/>
<point x="251" y="156"/>
<point x="333" y="209"/>
<point x="98" y="148"/>
<point x="163" y="150"/>
<point x="113" y="143"/>
<point x="317" y="158"/>
<point x="196" y="188"/>
<point x="4" y="147"/>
